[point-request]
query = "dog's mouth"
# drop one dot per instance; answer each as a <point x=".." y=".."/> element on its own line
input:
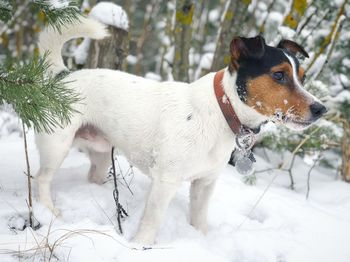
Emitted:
<point x="291" y="121"/>
<point x="296" y="123"/>
<point x="299" y="122"/>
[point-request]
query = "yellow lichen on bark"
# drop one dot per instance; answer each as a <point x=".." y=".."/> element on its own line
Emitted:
<point x="296" y="12"/>
<point x="183" y="17"/>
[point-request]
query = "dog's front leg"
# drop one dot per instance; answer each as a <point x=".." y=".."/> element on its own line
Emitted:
<point x="201" y="191"/>
<point x="158" y="200"/>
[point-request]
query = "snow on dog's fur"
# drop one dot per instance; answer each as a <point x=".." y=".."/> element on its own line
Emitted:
<point x="171" y="131"/>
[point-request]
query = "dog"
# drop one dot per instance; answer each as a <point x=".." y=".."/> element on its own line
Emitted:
<point x="172" y="131"/>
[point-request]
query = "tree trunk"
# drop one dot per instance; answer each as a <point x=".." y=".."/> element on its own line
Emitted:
<point x="345" y="170"/>
<point x="151" y="11"/>
<point x="231" y="25"/>
<point x="109" y="52"/>
<point x="183" y="35"/>
<point x="222" y="55"/>
<point x="295" y="14"/>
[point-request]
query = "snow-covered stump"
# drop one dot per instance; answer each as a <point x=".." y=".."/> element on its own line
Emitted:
<point x="111" y="51"/>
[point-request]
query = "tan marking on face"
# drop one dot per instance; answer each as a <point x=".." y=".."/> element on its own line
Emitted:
<point x="301" y="74"/>
<point x="273" y="96"/>
<point x="284" y="67"/>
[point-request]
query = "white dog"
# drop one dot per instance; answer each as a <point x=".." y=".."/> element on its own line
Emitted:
<point x="172" y="131"/>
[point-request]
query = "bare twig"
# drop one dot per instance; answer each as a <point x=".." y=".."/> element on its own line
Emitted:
<point x="309" y="175"/>
<point x="331" y="35"/>
<point x="317" y="26"/>
<point x="269" y="8"/>
<point x="30" y="201"/>
<point x="120" y="210"/>
<point x="307" y="21"/>
<point x="331" y="47"/>
<point x="290" y="172"/>
<point x="123" y="176"/>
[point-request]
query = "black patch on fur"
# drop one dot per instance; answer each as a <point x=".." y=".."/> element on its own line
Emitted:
<point x="189" y="117"/>
<point x="253" y="67"/>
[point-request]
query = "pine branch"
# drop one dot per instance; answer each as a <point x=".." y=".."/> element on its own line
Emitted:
<point x="67" y="12"/>
<point x="41" y="101"/>
<point x="5" y="11"/>
<point x="63" y="13"/>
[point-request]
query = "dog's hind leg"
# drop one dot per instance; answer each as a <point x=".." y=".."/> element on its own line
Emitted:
<point x="201" y="191"/>
<point x="52" y="149"/>
<point x="99" y="166"/>
<point x="160" y="195"/>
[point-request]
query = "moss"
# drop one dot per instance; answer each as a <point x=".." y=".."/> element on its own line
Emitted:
<point x="185" y="15"/>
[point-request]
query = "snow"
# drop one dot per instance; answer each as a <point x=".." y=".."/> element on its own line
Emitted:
<point x="58" y="4"/>
<point x="214" y="15"/>
<point x="81" y="52"/>
<point x="346" y="62"/>
<point x="110" y="14"/>
<point x="275" y="17"/>
<point x="107" y="13"/>
<point x="153" y="76"/>
<point x="131" y="59"/>
<point x="204" y="64"/>
<point x="286" y="32"/>
<point x="284" y="226"/>
<point x="342" y="97"/>
<point x="8" y="123"/>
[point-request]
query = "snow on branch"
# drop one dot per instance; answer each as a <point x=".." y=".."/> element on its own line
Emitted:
<point x="110" y="14"/>
<point x="106" y="13"/>
<point x="58" y="13"/>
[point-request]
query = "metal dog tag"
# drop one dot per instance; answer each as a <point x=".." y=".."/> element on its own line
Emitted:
<point x="244" y="162"/>
<point x="243" y="156"/>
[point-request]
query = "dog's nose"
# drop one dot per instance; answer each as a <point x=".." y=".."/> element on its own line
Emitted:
<point x="317" y="109"/>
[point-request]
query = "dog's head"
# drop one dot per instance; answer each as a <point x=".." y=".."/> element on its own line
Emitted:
<point x="270" y="80"/>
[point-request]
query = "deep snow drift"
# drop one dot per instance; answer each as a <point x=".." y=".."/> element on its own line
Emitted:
<point x="283" y="227"/>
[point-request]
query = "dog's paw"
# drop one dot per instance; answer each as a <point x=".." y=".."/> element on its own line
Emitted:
<point x="143" y="240"/>
<point x="202" y="227"/>
<point x="96" y="179"/>
<point x="48" y="204"/>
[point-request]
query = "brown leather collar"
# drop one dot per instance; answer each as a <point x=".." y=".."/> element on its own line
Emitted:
<point x="226" y="106"/>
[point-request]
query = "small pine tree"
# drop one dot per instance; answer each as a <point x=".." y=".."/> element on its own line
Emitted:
<point x="41" y="100"/>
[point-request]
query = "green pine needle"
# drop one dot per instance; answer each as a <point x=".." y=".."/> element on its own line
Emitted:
<point x="41" y="101"/>
<point x="58" y="17"/>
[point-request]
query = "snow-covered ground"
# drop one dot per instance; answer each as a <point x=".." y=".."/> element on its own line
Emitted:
<point x="284" y="226"/>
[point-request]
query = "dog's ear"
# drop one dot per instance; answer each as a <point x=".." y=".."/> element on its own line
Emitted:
<point x="292" y="47"/>
<point x="245" y="48"/>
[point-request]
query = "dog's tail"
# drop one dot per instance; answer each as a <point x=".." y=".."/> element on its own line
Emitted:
<point x="51" y="40"/>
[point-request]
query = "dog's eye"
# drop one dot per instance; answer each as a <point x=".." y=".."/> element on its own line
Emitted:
<point x="278" y="76"/>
